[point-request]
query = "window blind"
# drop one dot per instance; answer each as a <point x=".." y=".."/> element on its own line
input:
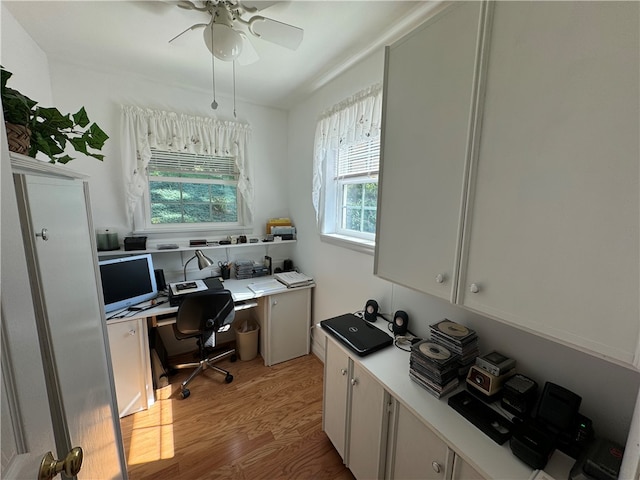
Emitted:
<point x="177" y="162"/>
<point x="359" y="159"/>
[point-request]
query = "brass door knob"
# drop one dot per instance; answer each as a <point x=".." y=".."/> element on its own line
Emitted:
<point x="50" y="467"/>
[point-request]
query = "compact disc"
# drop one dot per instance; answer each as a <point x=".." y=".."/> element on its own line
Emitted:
<point x="433" y="350"/>
<point x="453" y="329"/>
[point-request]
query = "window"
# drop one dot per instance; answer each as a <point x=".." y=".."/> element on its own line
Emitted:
<point x="357" y="189"/>
<point x="345" y="170"/>
<point x="192" y="189"/>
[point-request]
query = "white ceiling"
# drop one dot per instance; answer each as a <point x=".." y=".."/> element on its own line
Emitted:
<point x="134" y="36"/>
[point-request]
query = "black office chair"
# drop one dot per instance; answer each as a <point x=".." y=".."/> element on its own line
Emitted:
<point x="201" y="315"/>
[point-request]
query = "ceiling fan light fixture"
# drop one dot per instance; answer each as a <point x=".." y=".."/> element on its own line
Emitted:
<point x="223" y="41"/>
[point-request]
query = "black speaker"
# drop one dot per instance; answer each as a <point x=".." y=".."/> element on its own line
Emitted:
<point x="371" y="311"/>
<point x="160" y="281"/>
<point x="400" y="322"/>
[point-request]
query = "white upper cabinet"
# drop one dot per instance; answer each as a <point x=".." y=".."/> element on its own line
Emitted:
<point x="427" y="106"/>
<point x="534" y="137"/>
<point x="552" y="230"/>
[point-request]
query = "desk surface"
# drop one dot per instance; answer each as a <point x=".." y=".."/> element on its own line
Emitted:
<point x="239" y="290"/>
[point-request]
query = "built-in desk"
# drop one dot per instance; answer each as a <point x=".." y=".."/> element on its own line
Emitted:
<point x="284" y="317"/>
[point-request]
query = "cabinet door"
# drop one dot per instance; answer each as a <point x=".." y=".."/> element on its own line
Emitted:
<point x="62" y="262"/>
<point x="335" y="399"/>
<point x="553" y="226"/>
<point x="418" y="452"/>
<point x="463" y="471"/>
<point x="367" y="426"/>
<point x="288" y="334"/>
<point x="427" y="106"/>
<point x="128" y="353"/>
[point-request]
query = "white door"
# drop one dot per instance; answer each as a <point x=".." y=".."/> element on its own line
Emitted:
<point x="57" y="387"/>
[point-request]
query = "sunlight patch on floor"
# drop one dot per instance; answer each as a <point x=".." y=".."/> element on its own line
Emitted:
<point x="152" y="435"/>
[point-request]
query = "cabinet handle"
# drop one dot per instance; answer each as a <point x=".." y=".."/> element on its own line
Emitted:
<point x="343" y="371"/>
<point x="354" y="381"/>
<point x="474" y="288"/>
<point x="275" y="302"/>
<point x="132" y="332"/>
<point x="440" y="278"/>
<point x="44" y="233"/>
<point x="436" y="467"/>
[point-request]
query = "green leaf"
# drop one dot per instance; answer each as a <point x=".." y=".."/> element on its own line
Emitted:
<point x="81" y="118"/>
<point x="96" y="137"/>
<point x="97" y="156"/>
<point x="65" y="159"/>
<point x="79" y="144"/>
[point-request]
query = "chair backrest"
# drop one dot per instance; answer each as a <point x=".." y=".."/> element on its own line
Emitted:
<point x="205" y="311"/>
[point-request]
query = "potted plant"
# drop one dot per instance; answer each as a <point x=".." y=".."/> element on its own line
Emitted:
<point x="32" y="129"/>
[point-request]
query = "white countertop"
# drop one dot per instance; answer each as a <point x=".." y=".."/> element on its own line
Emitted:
<point x="239" y="290"/>
<point x="390" y="367"/>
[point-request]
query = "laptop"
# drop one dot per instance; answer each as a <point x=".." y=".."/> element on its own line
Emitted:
<point x="357" y="334"/>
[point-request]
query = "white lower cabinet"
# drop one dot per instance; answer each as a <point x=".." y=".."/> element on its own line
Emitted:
<point x="463" y="471"/>
<point x="131" y="365"/>
<point x="355" y="414"/>
<point x="376" y="435"/>
<point x="415" y="452"/>
<point x="285" y="320"/>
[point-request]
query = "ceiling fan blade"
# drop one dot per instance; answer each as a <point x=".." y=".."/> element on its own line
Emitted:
<point x="256" y="5"/>
<point x="192" y="27"/>
<point x="188" y="5"/>
<point x="276" y="32"/>
<point x="248" y="54"/>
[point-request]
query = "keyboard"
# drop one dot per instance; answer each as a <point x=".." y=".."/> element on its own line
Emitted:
<point x="490" y="422"/>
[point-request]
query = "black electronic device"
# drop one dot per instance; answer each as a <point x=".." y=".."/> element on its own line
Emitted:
<point x="371" y="311"/>
<point x="179" y="290"/>
<point x="400" y="323"/>
<point x="602" y="461"/>
<point x="492" y="424"/>
<point x="357" y="334"/>
<point x="135" y="243"/>
<point x="532" y="443"/>
<point x="557" y="424"/>
<point x="519" y="394"/>
<point x="558" y="408"/>
<point x="160" y="280"/>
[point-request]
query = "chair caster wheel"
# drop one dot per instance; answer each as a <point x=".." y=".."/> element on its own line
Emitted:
<point x="185" y="393"/>
<point x="228" y="378"/>
<point x="233" y="358"/>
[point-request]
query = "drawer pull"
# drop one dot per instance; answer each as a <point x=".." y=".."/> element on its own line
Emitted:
<point x="436" y="467"/>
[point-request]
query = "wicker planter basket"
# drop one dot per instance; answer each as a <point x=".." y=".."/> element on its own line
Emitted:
<point x="18" y="138"/>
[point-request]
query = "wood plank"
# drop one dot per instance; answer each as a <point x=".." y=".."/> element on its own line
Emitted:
<point x="266" y="424"/>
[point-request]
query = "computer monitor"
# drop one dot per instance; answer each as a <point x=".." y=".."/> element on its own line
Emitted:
<point x="127" y="281"/>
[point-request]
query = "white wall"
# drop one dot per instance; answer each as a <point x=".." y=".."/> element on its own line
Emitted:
<point x="345" y="281"/>
<point x="20" y="55"/>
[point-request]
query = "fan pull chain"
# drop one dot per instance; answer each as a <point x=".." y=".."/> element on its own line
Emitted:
<point x="214" y="104"/>
<point x="234" y="89"/>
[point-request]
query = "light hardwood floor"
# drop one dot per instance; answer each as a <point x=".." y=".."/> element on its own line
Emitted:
<point x="266" y="424"/>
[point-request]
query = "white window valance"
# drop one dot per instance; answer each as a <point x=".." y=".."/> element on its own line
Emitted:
<point x="144" y="129"/>
<point x="355" y="119"/>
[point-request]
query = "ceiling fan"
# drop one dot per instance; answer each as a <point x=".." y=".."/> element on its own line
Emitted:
<point x="224" y="35"/>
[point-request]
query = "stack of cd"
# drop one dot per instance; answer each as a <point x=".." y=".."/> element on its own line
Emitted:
<point x="459" y="339"/>
<point x="243" y="269"/>
<point x="433" y="367"/>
